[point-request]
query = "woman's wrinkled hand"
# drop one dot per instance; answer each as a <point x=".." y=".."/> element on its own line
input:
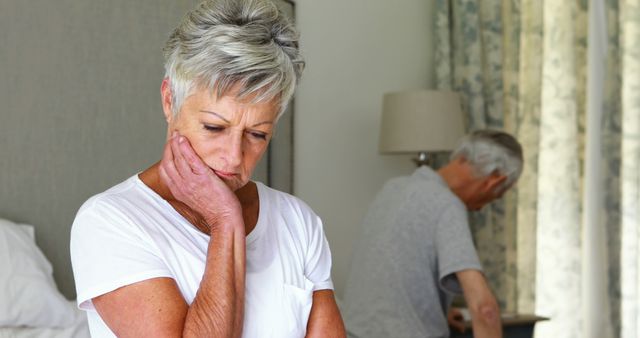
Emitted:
<point x="193" y="183"/>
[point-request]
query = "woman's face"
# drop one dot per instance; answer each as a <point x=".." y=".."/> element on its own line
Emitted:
<point x="228" y="134"/>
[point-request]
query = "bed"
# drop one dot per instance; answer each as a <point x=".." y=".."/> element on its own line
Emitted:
<point x="30" y="304"/>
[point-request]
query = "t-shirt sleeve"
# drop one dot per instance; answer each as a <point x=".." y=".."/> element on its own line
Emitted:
<point x="318" y="257"/>
<point x="455" y="249"/>
<point x="109" y="252"/>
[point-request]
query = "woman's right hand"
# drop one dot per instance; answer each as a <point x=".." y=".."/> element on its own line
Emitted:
<point x="193" y="183"/>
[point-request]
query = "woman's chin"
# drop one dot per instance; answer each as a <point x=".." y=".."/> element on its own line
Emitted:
<point x="234" y="184"/>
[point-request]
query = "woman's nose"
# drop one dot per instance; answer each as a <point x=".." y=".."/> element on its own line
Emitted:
<point x="233" y="151"/>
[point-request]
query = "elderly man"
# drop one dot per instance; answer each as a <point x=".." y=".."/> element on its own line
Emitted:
<point x="416" y="252"/>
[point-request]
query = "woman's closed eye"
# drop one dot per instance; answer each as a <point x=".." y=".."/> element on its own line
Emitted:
<point x="213" y="128"/>
<point x="257" y="135"/>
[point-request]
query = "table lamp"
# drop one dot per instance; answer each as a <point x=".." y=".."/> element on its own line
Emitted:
<point x="420" y="121"/>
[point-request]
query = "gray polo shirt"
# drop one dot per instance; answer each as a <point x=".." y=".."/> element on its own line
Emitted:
<point x="413" y="239"/>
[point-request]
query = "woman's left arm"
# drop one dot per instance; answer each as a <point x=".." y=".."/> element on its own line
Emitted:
<point x="325" y="319"/>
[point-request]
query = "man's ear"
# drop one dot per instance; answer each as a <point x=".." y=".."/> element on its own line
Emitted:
<point x="494" y="181"/>
<point x="167" y="100"/>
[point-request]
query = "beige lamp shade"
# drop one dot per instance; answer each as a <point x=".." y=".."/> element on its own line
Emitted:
<point x="420" y="121"/>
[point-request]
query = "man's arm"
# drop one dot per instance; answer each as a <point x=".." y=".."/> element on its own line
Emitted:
<point x="324" y="319"/>
<point x="483" y="307"/>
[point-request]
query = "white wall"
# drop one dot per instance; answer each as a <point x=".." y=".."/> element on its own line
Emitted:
<point x="356" y="50"/>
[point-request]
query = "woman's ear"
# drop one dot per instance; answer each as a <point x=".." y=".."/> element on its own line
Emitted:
<point x="167" y="100"/>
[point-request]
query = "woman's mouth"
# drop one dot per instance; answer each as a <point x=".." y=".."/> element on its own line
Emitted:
<point x="224" y="174"/>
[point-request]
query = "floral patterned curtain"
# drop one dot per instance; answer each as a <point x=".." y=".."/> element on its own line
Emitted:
<point x="521" y="66"/>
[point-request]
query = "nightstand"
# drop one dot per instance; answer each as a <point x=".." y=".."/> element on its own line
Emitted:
<point x="513" y="326"/>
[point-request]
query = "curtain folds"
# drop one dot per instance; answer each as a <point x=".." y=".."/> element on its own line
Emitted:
<point x="522" y="66"/>
<point x="629" y="70"/>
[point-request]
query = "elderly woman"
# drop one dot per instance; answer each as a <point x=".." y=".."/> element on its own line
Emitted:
<point x="191" y="246"/>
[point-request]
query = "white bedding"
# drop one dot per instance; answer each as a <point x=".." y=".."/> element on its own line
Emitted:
<point x="79" y="328"/>
<point x="30" y="304"/>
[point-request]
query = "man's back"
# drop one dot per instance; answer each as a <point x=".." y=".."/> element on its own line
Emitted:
<point x="414" y="237"/>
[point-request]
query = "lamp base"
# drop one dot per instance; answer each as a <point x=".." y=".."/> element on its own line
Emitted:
<point x="422" y="159"/>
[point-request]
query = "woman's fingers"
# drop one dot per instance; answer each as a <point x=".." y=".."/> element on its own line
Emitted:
<point x="192" y="182"/>
<point x="168" y="164"/>
<point x="192" y="159"/>
<point x="181" y="164"/>
<point x="186" y="159"/>
<point x="165" y="177"/>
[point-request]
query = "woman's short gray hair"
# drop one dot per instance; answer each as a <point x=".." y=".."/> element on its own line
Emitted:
<point x="224" y="43"/>
<point x="492" y="151"/>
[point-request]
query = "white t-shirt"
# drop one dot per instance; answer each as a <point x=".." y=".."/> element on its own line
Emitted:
<point x="129" y="233"/>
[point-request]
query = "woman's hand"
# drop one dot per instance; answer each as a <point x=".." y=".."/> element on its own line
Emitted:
<point x="193" y="183"/>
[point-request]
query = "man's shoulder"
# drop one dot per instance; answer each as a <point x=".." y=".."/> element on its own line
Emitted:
<point x="427" y="191"/>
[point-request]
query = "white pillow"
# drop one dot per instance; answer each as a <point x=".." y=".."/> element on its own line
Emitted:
<point x="79" y="329"/>
<point x="28" y="293"/>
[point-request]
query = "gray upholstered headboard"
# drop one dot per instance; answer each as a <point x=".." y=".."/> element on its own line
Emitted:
<point x="80" y="108"/>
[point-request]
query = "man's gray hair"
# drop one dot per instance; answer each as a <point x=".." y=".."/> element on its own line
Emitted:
<point x="224" y="43"/>
<point x="492" y="151"/>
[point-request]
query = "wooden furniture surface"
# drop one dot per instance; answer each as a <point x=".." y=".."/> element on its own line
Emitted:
<point x="513" y="326"/>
